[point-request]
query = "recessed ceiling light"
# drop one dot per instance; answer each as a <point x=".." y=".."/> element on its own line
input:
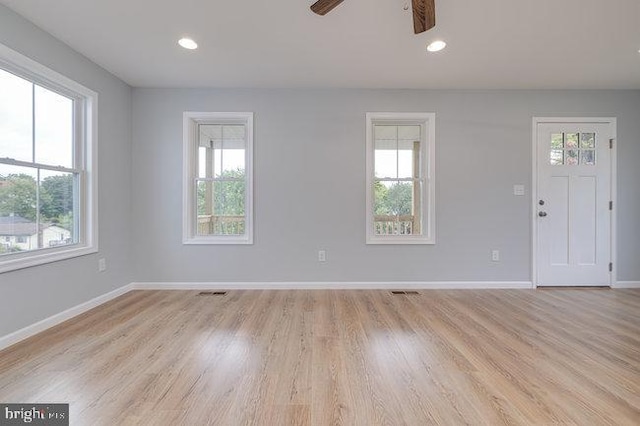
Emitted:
<point x="436" y="46"/>
<point x="187" y="43"/>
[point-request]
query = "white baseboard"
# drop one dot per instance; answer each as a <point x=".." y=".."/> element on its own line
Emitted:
<point x="627" y="284"/>
<point x="329" y="285"/>
<point x="26" y="332"/>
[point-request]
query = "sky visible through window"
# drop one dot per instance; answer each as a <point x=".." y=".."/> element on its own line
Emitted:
<point x="53" y="123"/>
<point x="394" y="145"/>
<point x="392" y="160"/>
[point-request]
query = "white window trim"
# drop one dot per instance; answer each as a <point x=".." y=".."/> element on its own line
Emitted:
<point x="191" y="120"/>
<point x="87" y="149"/>
<point x="427" y="120"/>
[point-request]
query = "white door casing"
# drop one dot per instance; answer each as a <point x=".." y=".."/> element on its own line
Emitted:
<point x="573" y="178"/>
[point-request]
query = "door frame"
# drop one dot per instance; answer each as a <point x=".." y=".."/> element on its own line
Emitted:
<point x="612" y="122"/>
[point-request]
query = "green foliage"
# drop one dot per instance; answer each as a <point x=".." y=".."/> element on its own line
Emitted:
<point x="65" y="221"/>
<point x="56" y="196"/>
<point x="18" y="196"/>
<point x="228" y="197"/>
<point x="393" y="201"/>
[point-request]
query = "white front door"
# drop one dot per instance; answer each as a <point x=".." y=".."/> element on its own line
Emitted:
<point x="572" y="206"/>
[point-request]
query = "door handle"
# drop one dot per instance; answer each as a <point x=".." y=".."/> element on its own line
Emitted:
<point x="542" y="214"/>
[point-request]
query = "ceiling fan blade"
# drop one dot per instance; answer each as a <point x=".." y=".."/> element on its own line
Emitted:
<point x="322" y="7"/>
<point x="424" y="15"/>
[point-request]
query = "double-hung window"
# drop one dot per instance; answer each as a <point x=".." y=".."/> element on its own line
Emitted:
<point x="218" y="154"/>
<point x="400" y="178"/>
<point x="47" y="165"/>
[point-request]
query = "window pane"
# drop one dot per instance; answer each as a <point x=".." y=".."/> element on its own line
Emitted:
<point x="216" y="158"/>
<point x="385" y="162"/>
<point x="53" y="128"/>
<point x="397" y="150"/>
<point x="399" y="198"/>
<point x="204" y="194"/>
<point x="386" y="151"/>
<point x="380" y="204"/>
<point x="229" y="198"/>
<point x="397" y="208"/>
<point x="210" y="132"/>
<point x="15" y="117"/>
<point x="409" y="133"/>
<point x="572" y="157"/>
<point x="202" y="162"/>
<point x="234" y="132"/>
<point x="18" y="216"/>
<point x="221" y="208"/>
<point x="57" y="208"/>
<point x="385" y="132"/>
<point x="233" y="161"/>
<point x="221" y="151"/>
<point x="384" y="221"/>
<point x="408" y="157"/>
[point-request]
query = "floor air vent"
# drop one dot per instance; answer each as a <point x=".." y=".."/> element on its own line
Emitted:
<point x="212" y="293"/>
<point x="396" y="292"/>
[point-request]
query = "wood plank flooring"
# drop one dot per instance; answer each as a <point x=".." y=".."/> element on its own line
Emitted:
<point x="489" y="357"/>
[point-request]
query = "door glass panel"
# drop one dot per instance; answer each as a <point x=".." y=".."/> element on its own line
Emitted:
<point x="571" y="140"/>
<point x="588" y="157"/>
<point x="557" y="157"/>
<point x="572" y="157"/>
<point x="588" y="140"/>
<point x="557" y="141"/>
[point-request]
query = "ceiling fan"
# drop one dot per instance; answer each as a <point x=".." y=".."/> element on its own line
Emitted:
<point x="424" y="12"/>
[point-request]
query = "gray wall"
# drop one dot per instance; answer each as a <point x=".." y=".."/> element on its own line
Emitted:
<point x="29" y="295"/>
<point x="310" y="184"/>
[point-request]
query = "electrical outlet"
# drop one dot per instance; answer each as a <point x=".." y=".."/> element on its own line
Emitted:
<point x="322" y="255"/>
<point x="495" y="255"/>
<point x="102" y="264"/>
<point x="518" y="190"/>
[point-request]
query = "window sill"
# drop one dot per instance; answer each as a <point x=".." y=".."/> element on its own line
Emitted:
<point x="400" y="240"/>
<point x="44" y="256"/>
<point x="238" y="240"/>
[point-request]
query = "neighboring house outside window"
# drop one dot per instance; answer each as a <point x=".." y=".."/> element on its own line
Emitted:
<point x="47" y="165"/>
<point x="400" y="178"/>
<point x="218" y="179"/>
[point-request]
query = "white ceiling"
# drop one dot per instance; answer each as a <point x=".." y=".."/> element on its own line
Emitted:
<point x="361" y="43"/>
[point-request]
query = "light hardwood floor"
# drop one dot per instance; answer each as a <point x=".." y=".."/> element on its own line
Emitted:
<point x="529" y="357"/>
